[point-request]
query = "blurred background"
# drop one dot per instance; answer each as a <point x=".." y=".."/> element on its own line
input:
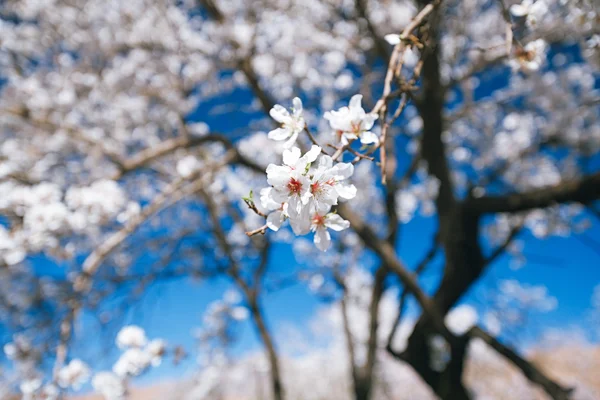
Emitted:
<point x="141" y="257"/>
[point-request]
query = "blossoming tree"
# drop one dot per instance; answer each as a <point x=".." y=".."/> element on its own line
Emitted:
<point x="135" y="135"/>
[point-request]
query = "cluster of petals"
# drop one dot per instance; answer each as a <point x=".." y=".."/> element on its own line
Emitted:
<point x="303" y="190"/>
<point x="531" y="57"/>
<point x="290" y="124"/>
<point x="531" y="10"/>
<point x="73" y="375"/>
<point x="139" y="353"/>
<point x="352" y="122"/>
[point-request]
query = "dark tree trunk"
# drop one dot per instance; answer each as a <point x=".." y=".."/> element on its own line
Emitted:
<point x="267" y="340"/>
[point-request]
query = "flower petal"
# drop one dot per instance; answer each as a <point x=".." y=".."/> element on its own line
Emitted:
<point x="291" y="141"/>
<point x="297" y="103"/>
<point x="278" y="175"/>
<point x="346" y="191"/>
<point x="518" y="10"/>
<point x="311" y="155"/>
<point x="291" y="156"/>
<point x="325" y="162"/>
<point x="322" y="238"/>
<point x="392" y="38"/>
<point x="355" y="102"/>
<point x="274" y="220"/>
<point x="299" y="220"/>
<point x="279" y="113"/>
<point x="279" y="134"/>
<point x="266" y="199"/>
<point x="342" y="170"/>
<point x="335" y="222"/>
<point x="368" y="138"/>
<point x="368" y="121"/>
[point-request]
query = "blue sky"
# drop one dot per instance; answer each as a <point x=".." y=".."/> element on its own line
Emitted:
<point x="568" y="267"/>
<point x="173" y="310"/>
<point x="565" y="265"/>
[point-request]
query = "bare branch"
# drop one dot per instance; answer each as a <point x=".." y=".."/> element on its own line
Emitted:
<point x="532" y="373"/>
<point x="583" y="191"/>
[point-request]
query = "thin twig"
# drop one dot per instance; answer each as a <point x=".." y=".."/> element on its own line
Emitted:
<point x="262" y="230"/>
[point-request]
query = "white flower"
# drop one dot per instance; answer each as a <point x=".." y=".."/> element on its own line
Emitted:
<point x="156" y="350"/>
<point x="98" y="202"/>
<point x="131" y="336"/>
<point x="50" y="392"/>
<point x="51" y="217"/>
<point x="232" y="296"/>
<point x="30" y="386"/>
<point x="529" y="58"/>
<point x="109" y="385"/>
<point x="319" y="225"/>
<point x="326" y="184"/>
<point x="74" y="374"/>
<point x="278" y="212"/>
<point x="188" y="166"/>
<point x="531" y="9"/>
<point x="291" y="124"/>
<point x="239" y="313"/>
<point x="132" y="362"/>
<point x="461" y="318"/>
<point x="19" y="349"/>
<point x="316" y="282"/>
<point x="352" y="122"/>
<point x="392" y="38"/>
<point x="289" y="181"/>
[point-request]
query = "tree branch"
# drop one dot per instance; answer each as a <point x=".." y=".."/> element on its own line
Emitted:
<point x="532" y="373"/>
<point x="583" y="191"/>
<point x="388" y="256"/>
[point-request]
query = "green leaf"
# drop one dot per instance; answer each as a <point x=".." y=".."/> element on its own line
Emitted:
<point x="307" y="168"/>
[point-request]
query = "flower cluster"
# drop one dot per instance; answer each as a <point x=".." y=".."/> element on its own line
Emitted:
<point x="306" y="187"/>
<point x="532" y="11"/>
<point x="530" y="57"/>
<point x="352" y="122"/>
<point x="221" y="317"/>
<point x="305" y="193"/>
<point x="139" y="355"/>
<point x="73" y="375"/>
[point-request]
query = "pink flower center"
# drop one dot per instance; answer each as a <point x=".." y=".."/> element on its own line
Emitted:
<point x="315" y="187"/>
<point x="525" y="55"/>
<point x="294" y="186"/>
<point x="356" y="128"/>
<point x="318" y="220"/>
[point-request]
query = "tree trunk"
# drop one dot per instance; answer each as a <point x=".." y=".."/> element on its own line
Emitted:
<point x="267" y="340"/>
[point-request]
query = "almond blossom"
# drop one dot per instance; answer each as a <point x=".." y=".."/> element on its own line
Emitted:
<point x="289" y="181"/>
<point x="278" y="210"/>
<point x="305" y="195"/>
<point x="529" y="58"/>
<point x="109" y="385"/>
<point x="291" y="124"/>
<point x="352" y="122"/>
<point x="320" y="223"/>
<point x="74" y="374"/>
<point x="132" y="362"/>
<point x="392" y="38"/>
<point x="531" y="9"/>
<point x="131" y="336"/>
<point x="326" y="184"/>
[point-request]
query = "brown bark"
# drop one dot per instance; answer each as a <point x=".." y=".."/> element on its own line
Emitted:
<point x="267" y="340"/>
<point x="556" y="391"/>
<point x="584" y="191"/>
